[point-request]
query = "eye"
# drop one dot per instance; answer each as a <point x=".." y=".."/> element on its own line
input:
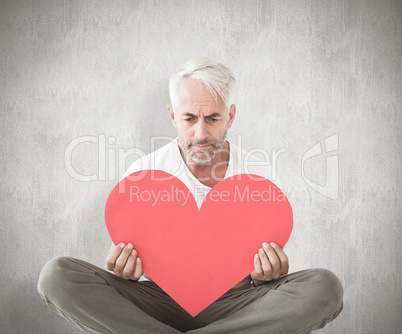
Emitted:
<point x="188" y="119"/>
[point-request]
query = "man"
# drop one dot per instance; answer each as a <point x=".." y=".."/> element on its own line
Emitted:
<point x="124" y="300"/>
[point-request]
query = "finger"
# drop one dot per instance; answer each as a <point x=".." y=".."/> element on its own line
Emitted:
<point x="128" y="270"/>
<point x="257" y="265"/>
<point x="111" y="248"/>
<point x="284" y="261"/>
<point x="273" y="260"/>
<point x="266" y="266"/>
<point x="114" y="253"/>
<point x="122" y="259"/>
<point x="107" y="256"/>
<point x="138" y="269"/>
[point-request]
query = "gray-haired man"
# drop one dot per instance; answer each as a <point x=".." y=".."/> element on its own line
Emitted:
<point x="123" y="299"/>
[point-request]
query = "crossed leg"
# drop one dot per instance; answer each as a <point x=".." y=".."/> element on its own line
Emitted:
<point x="99" y="302"/>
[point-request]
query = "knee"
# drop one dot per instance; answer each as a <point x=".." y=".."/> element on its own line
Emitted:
<point x="52" y="277"/>
<point x="328" y="291"/>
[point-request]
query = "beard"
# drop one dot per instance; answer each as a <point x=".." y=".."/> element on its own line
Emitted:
<point x="203" y="156"/>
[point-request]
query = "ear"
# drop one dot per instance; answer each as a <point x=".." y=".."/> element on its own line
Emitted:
<point x="232" y="114"/>
<point x="172" y="115"/>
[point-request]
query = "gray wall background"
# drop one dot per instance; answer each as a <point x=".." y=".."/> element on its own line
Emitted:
<point x="306" y="70"/>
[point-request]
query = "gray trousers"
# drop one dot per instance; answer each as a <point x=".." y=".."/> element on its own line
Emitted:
<point x="100" y="302"/>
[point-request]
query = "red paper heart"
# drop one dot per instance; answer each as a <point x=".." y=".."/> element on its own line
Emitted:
<point x="196" y="256"/>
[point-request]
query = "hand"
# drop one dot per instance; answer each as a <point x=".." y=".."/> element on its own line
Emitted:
<point x="122" y="261"/>
<point x="270" y="263"/>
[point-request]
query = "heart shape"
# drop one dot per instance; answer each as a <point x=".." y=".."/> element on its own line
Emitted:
<point x="194" y="255"/>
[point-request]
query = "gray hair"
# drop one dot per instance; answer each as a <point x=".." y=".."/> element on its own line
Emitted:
<point x="216" y="77"/>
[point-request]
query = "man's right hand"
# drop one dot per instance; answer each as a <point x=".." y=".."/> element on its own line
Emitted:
<point x="122" y="261"/>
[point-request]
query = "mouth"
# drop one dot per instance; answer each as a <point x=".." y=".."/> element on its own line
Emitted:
<point x="202" y="146"/>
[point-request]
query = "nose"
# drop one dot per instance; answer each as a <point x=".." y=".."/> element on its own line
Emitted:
<point x="200" y="130"/>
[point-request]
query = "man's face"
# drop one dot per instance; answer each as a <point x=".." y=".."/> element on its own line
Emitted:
<point x="201" y="122"/>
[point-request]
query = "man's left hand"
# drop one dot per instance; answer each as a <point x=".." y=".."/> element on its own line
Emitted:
<point x="270" y="263"/>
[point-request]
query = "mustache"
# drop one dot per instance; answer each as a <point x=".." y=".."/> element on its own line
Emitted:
<point x="203" y="142"/>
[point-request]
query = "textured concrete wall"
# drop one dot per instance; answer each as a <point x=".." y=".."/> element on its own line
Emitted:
<point x="306" y="71"/>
